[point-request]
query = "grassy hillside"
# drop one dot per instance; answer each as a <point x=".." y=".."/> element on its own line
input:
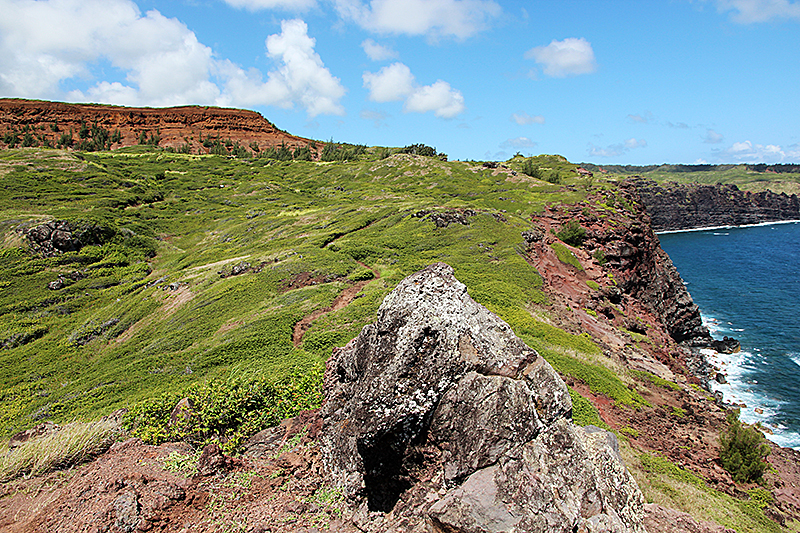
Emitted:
<point x="154" y="307"/>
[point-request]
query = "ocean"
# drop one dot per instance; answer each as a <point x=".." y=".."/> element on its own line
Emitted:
<point x="746" y="281"/>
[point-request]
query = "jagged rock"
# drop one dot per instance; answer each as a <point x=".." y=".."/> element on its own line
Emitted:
<point x="438" y="416"/>
<point x="127" y="510"/>
<point x="535" y="234"/>
<point x="212" y="461"/>
<point x="58" y="236"/>
<point x="726" y="345"/>
<point x="442" y="219"/>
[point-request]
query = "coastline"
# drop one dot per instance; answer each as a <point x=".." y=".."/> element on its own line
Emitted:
<point x="728" y="226"/>
<point x="749" y="378"/>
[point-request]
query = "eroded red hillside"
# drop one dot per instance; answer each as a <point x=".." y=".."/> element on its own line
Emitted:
<point x="176" y="127"/>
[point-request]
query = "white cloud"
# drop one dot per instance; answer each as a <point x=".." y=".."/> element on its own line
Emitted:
<point x="569" y="57"/>
<point x="389" y="84"/>
<point x="289" y="5"/>
<point x="630" y="144"/>
<point x="749" y="152"/>
<point x="678" y="125"/>
<point x="523" y="118"/>
<point x="751" y="11"/>
<point x="712" y="137"/>
<point x="377" y="52"/>
<point x="396" y="82"/>
<point x="434" y="18"/>
<point x="518" y="142"/>
<point x="47" y="43"/>
<point x="618" y="149"/>
<point x="444" y="101"/>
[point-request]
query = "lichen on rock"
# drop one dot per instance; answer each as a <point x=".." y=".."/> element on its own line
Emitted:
<point x="437" y="416"/>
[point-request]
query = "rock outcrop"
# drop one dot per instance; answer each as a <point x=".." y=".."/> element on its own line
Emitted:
<point x="437" y="416"/>
<point x="58" y="236"/>
<point x="674" y="206"/>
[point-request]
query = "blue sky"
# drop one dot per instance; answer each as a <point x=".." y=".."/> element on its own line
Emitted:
<point x="614" y="82"/>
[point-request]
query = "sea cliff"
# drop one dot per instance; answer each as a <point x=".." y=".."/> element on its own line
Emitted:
<point x="674" y="206"/>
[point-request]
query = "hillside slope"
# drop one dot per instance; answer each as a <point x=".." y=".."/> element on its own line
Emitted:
<point x="148" y="276"/>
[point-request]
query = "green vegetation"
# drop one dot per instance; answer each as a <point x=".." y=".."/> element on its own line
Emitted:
<point x="750" y="177"/>
<point x="72" y="444"/>
<point x="223" y="411"/>
<point x="572" y="233"/>
<point x="667" y="484"/>
<point x="742" y="451"/>
<point x="565" y="255"/>
<point x="148" y="307"/>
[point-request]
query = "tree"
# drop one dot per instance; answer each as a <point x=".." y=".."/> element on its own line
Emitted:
<point x="742" y="451"/>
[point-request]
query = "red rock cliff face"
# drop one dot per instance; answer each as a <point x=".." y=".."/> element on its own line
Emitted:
<point x="177" y="127"/>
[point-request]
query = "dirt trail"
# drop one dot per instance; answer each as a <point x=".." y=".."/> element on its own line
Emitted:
<point x="341" y="301"/>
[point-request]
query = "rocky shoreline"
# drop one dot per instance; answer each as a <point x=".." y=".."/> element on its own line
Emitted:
<point x="679" y="207"/>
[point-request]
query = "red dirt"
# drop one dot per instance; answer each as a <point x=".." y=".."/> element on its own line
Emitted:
<point x="340" y="302"/>
<point x="175" y="125"/>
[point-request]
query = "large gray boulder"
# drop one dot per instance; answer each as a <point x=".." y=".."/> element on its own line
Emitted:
<point x="438" y="418"/>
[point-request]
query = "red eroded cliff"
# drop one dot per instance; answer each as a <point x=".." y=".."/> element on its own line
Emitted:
<point x="185" y="127"/>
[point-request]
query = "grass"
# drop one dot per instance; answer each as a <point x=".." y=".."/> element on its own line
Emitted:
<point x="73" y="444"/>
<point x="565" y="255"/>
<point x="666" y="484"/>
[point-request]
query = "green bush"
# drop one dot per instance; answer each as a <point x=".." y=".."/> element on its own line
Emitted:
<point x="572" y="233"/>
<point x="225" y="411"/>
<point x="743" y="450"/>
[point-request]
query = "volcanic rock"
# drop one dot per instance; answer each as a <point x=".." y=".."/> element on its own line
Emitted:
<point x="674" y="206"/>
<point x="438" y="416"/>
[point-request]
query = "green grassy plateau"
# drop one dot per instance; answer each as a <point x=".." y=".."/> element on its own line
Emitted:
<point x="153" y="310"/>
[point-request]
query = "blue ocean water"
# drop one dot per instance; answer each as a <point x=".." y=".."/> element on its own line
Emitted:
<point x="747" y="283"/>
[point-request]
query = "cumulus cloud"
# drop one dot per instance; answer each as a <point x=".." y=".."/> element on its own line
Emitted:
<point x="678" y="125"/>
<point x="47" y="44"/>
<point x="434" y="18"/>
<point x="712" y="137"/>
<point x="618" y="149"/>
<point x="569" y="57"/>
<point x="524" y="119"/>
<point x="396" y="83"/>
<point x="752" y="11"/>
<point x="749" y="152"/>
<point x="518" y="142"/>
<point x="289" y="5"/>
<point x="389" y="84"/>
<point x="377" y="52"/>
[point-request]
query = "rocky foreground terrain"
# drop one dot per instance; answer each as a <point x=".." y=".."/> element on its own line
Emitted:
<point x="438" y="418"/>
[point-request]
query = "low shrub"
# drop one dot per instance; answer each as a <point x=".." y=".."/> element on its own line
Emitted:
<point x="572" y="233"/>
<point x="742" y="451"/>
<point x="225" y="411"/>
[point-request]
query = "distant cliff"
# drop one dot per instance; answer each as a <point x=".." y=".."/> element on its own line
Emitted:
<point x="674" y="206"/>
<point x="192" y="129"/>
